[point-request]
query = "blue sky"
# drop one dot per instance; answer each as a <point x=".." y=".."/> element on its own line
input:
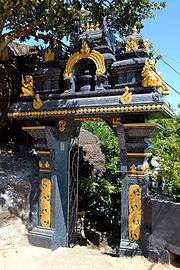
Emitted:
<point x="164" y="32"/>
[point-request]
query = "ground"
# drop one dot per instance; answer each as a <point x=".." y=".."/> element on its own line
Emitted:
<point x="17" y="254"/>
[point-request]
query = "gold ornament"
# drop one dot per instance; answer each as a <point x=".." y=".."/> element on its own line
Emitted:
<point x="132" y="45"/>
<point x="44" y="165"/>
<point x="97" y="26"/>
<point x="135" y="211"/>
<point x="146" y="45"/>
<point x="133" y="169"/>
<point x="62" y="125"/>
<point x="37" y="103"/>
<point x="85" y="52"/>
<point x="116" y="121"/>
<point x="87" y="27"/>
<point x="134" y="29"/>
<point x="49" y="55"/>
<point x="92" y="27"/>
<point x="127" y="96"/>
<point x="152" y="79"/>
<point x="45" y="203"/>
<point x="27" y="86"/>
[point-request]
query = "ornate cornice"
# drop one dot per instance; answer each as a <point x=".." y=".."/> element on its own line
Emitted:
<point x="87" y="110"/>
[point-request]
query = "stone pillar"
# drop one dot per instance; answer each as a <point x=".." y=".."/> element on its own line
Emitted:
<point x="50" y="214"/>
<point x="135" y="182"/>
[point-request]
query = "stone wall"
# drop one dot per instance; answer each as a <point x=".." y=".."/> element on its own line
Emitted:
<point x="161" y="221"/>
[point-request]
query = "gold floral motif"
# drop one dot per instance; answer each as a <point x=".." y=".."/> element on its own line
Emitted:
<point x="45" y="203"/>
<point x="37" y="103"/>
<point x="27" y="86"/>
<point x="62" y="125"/>
<point x="152" y="79"/>
<point x="135" y="211"/>
<point x="85" y="52"/>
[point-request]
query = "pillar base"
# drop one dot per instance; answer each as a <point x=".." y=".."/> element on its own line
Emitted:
<point x="45" y="238"/>
<point x="129" y="248"/>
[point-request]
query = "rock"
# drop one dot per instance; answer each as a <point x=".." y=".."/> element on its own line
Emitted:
<point x="91" y="151"/>
<point x="18" y="168"/>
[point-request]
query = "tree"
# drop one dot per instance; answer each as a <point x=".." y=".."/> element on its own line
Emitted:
<point x="167" y="148"/>
<point x="54" y="19"/>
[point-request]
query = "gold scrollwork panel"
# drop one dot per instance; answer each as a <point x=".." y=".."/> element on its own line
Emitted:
<point x="135" y="212"/>
<point x="45" y="203"/>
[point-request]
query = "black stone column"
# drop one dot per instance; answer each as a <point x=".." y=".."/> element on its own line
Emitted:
<point x="135" y="182"/>
<point x="50" y="219"/>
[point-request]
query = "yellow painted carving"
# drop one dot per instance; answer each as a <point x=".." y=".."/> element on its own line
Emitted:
<point x="132" y="44"/>
<point x="127" y="96"/>
<point x="45" y="203"/>
<point x="37" y="103"/>
<point x="62" y="125"/>
<point x="44" y="165"/>
<point x="146" y="45"/>
<point x="85" y="52"/>
<point x="151" y="79"/>
<point x="135" y="211"/>
<point x="116" y="121"/>
<point x="49" y="55"/>
<point x="27" y="86"/>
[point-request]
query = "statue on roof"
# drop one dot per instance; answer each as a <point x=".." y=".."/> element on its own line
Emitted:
<point x="109" y="30"/>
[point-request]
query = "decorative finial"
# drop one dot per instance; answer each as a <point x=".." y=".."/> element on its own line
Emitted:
<point x="133" y="169"/>
<point x="134" y="29"/>
<point x="49" y="55"/>
<point x="97" y="26"/>
<point x="92" y="27"/>
<point x="85" y="48"/>
<point x="87" y="27"/>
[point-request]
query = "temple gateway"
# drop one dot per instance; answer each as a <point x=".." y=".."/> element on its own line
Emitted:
<point x="54" y="91"/>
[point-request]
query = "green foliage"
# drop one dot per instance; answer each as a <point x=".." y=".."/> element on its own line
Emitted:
<point x="49" y="19"/>
<point x="166" y="146"/>
<point x="100" y="188"/>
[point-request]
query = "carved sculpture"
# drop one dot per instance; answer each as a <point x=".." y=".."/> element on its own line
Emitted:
<point x="152" y="79"/>
<point x="45" y="203"/>
<point x="132" y="43"/>
<point x="127" y="96"/>
<point x="27" y="86"/>
<point x="146" y="45"/>
<point x="134" y="205"/>
<point x="37" y="103"/>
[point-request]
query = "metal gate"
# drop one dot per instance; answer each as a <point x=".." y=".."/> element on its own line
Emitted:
<point x="73" y="177"/>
